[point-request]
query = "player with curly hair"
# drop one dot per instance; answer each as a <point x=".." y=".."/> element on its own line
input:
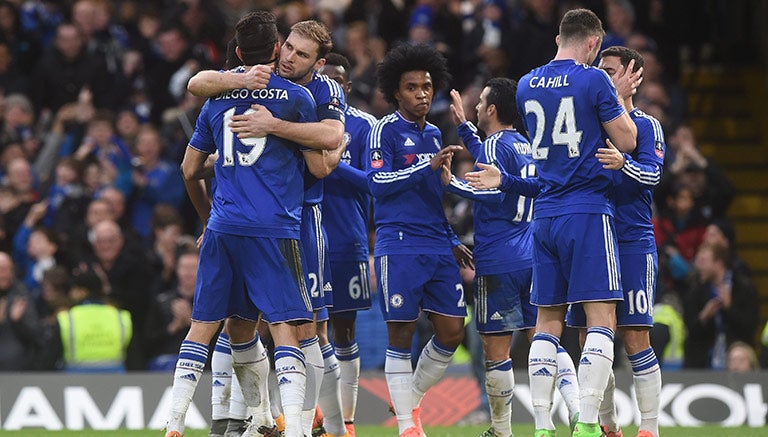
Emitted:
<point x="414" y="265"/>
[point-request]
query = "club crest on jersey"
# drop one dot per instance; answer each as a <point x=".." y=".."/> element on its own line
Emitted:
<point x="347" y="138"/>
<point x="396" y="301"/>
<point x="376" y="159"/>
<point x="409" y="142"/>
<point x="659" y="149"/>
<point x="437" y="143"/>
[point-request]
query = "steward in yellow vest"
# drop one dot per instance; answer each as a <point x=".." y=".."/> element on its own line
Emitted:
<point x="94" y="335"/>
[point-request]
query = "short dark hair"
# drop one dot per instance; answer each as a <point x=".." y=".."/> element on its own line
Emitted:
<point x="579" y="24"/>
<point x="340" y="60"/>
<point x="256" y="35"/>
<point x="625" y="54"/>
<point x="232" y="60"/>
<point x="501" y="93"/>
<point x="411" y="57"/>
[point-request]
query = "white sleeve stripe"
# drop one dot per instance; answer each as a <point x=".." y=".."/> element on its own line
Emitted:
<point x="658" y="132"/>
<point x="376" y="131"/>
<point x="647" y="178"/>
<point x="393" y="176"/>
<point x="463" y="186"/>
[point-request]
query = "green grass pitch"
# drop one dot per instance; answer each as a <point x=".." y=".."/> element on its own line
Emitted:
<point x="520" y="430"/>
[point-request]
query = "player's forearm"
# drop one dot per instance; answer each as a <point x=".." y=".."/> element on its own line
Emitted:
<point x="209" y="83"/>
<point x="321" y="162"/>
<point x="462" y="188"/>
<point x="623" y="133"/>
<point x="387" y="183"/>
<point x="323" y="135"/>
<point x="644" y="173"/>
<point x="527" y="187"/>
<point x="199" y="199"/>
<point x="353" y="175"/>
<point x="468" y="134"/>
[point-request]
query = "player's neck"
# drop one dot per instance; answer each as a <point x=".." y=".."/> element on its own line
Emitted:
<point x="421" y="121"/>
<point x="494" y="127"/>
<point x="572" y="52"/>
<point x="306" y="79"/>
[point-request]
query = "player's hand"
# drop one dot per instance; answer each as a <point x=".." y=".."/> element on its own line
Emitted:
<point x="445" y="154"/>
<point x="199" y="242"/>
<point x="487" y="178"/>
<point x="463" y="256"/>
<point x="610" y="157"/>
<point x="457" y="108"/>
<point x="627" y="81"/>
<point x="255" y="124"/>
<point x="445" y="172"/>
<point x="257" y="77"/>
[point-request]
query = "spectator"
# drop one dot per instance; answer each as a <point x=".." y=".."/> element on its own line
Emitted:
<point x="24" y="46"/>
<point x="18" y="124"/>
<point x="170" y="314"/>
<point x="93" y="334"/>
<point x="102" y="37"/>
<point x="102" y="146"/>
<point x="620" y="22"/>
<point x="719" y="309"/>
<point x="166" y="241"/>
<point x="35" y="249"/>
<point x="156" y="181"/>
<point x="742" y="358"/>
<point x="12" y="80"/>
<point x="21" y="331"/>
<point x="668" y="333"/>
<point x="78" y="239"/>
<point x="19" y="182"/>
<point x="168" y="73"/>
<point x="127" y="281"/>
<point x="711" y="189"/>
<point x="55" y="293"/>
<point x="65" y="69"/>
<point x="67" y="198"/>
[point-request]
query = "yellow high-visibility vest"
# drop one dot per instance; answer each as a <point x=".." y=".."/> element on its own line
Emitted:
<point x="675" y="349"/>
<point x="95" y="336"/>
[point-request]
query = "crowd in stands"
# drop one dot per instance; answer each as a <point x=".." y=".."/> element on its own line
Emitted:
<point x="96" y="117"/>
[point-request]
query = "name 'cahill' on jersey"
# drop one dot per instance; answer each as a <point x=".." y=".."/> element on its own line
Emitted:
<point x="259" y="183"/>
<point x="564" y="104"/>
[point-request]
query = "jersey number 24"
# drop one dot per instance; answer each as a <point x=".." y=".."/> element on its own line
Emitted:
<point x="564" y="131"/>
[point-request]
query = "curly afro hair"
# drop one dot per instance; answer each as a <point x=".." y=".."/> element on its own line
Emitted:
<point x="410" y="57"/>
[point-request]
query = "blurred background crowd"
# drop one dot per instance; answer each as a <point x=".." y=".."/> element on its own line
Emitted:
<point x="95" y="117"/>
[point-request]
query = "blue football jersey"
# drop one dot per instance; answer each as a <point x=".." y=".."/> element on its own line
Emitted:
<point x="407" y="193"/>
<point x="564" y="104"/>
<point x="502" y="235"/>
<point x="346" y="201"/>
<point x="634" y="192"/>
<point x="259" y="184"/>
<point x="329" y="98"/>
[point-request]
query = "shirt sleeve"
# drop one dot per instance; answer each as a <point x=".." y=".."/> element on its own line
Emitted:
<point x="647" y="161"/>
<point x="202" y="138"/>
<point x="463" y="189"/>
<point x="330" y="100"/>
<point x="468" y="134"/>
<point x="382" y="179"/>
